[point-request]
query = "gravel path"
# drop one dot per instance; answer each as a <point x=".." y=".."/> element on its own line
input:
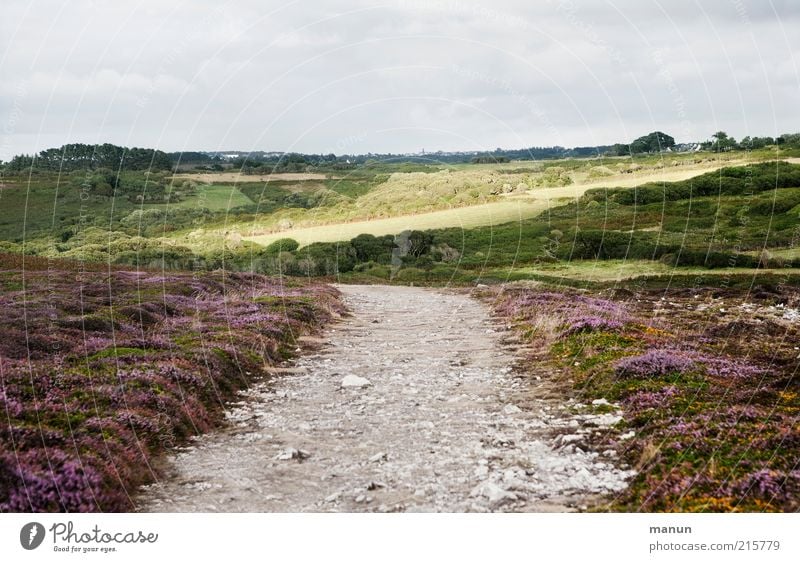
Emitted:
<point x="444" y="424"/>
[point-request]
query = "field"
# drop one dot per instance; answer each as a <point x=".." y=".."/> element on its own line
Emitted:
<point x="621" y="270"/>
<point x="530" y="195"/>
<point x="560" y="219"/>
<point x="487" y="214"/>
<point x="216" y="197"/>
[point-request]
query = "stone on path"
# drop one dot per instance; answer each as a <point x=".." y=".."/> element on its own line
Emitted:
<point x="354" y="381"/>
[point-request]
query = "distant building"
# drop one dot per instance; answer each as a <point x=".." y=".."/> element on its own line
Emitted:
<point x="685" y="147"/>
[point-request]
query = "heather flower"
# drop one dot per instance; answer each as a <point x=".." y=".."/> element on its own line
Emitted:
<point x="96" y="424"/>
<point x="732" y="368"/>
<point x="651" y="400"/>
<point x="592" y="324"/>
<point x="766" y="484"/>
<point x="653" y="363"/>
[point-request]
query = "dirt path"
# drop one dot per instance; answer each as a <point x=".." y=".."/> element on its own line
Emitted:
<point x="444" y="425"/>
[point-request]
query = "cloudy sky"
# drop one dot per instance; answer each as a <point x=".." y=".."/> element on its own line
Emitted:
<point x="347" y="76"/>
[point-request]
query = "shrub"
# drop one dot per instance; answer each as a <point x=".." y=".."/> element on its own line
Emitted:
<point x="592" y="324"/>
<point x="281" y="245"/>
<point x="654" y="363"/>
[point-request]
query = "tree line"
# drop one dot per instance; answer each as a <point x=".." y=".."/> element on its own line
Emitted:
<point x="79" y="156"/>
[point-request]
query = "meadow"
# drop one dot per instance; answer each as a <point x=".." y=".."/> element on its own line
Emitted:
<point x="564" y="219"/>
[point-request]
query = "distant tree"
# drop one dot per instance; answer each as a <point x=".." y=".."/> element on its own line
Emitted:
<point x="78" y="156"/>
<point x="755" y="143"/>
<point x="371" y="248"/>
<point x="789" y="139"/>
<point x="419" y="243"/>
<point x="653" y="142"/>
<point x="722" y="142"/>
<point x="490" y="159"/>
<point x="621" y="149"/>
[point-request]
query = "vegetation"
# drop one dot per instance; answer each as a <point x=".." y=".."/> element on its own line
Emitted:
<point x="72" y="157"/>
<point x="519" y="220"/>
<point x="654" y="142"/>
<point x="80" y="218"/>
<point x="709" y="398"/>
<point x="109" y="370"/>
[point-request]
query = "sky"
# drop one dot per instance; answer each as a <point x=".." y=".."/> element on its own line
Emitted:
<point x="347" y="76"/>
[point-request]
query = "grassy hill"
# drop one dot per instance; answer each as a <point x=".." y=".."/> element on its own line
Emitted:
<point x="652" y="216"/>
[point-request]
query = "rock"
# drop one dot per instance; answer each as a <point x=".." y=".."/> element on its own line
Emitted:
<point x="361" y="498"/>
<point x="503" y="441"/>
<point x="569" y="438"/>
<point x="378" y="457"/>
<point x="601" y="402"/>
<point x="511" y="409"/>
<point x="333" y="497"/>
<point x="492" y="492"/>
<point x="605" y="420"/>
<point x="375" y="485"/>
<point x="626" y="436"/>
<point x="353" y="381"/>
<point x="291" y="453"/>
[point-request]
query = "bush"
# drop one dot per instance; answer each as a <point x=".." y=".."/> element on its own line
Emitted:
<point x="370" y="248"/>
<point x="281" y="245"/>
<point x="654" y="363"/>
<point x="592" y="324"/>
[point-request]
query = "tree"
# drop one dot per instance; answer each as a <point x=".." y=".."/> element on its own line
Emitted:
<point x="789" y="139"/>
<point x="755" y="143"/>
<point x="419" y="243"/>
<point x="371" y="248"/>
<point x="653" y="142"/>
<point x="722" y="142"/>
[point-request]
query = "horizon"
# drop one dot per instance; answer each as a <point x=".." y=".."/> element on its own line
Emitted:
<point x="420" y="152"/>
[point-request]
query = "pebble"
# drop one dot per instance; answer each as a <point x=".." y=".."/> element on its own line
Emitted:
<point x="378" y="457"/>
<point x="354" y="381"/>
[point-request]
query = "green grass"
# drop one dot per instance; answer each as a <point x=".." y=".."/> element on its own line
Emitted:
<point x="487" y="222"/>
<point x="217" y="197"/>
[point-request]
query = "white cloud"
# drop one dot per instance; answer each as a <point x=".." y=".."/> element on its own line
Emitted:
<point x="396" y="76"/>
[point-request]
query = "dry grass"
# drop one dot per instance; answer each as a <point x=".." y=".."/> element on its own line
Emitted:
<point x="465" y="217"/>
